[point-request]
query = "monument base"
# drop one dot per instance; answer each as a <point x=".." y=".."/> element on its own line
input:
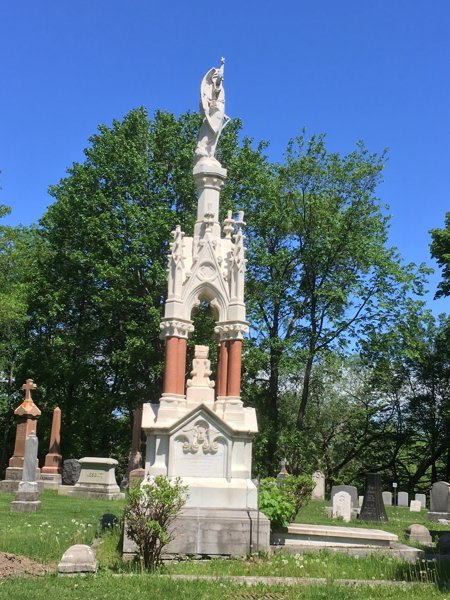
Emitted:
<point x="96" y="495"/>
<point x="13" y="477"/>
<point x="213" y="532"/>
<point x="435" y="516"/>
<point x="25" y="506"/>
<point x="64" y="490"/>
<point x="51" y="481"/>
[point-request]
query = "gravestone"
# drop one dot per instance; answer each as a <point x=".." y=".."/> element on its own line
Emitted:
<point x="51" y="471"/>
<point x="77" y="559"/>
<point x="373" y="506"/>
<point x="422" y="499"/>
<point x="27" y="496"/>
<point x="318" y="492"/>
<point x="444" y="543"/>
<point x="283" y="471"/>
<point x="439" y="501"/>
<point x="415" y="506"/>
<point x="26" y="416"/>
<point x="135" y="475"/>
<point x="97" y="480"/>
<point x="361" y="500"/>
<point x="71" y="471"/>
<point x="403" y="499"/>
<point x="342" y="506"/>
<point x="350" y="489"/>
<point x="418" y="533"/>
<point x="387" y="498"/>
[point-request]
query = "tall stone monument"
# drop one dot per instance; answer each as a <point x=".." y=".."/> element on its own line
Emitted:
<point x="134" y="470"/>
<point x="51" y="472"/>
<point x="318" y="492"/>
<point x="26" y="416"/>
<point x="202" y="432"/>
<point x="373" y="506"/>
<point x="27" y="495"/>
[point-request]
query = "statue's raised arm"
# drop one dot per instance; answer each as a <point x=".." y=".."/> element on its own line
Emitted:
<point x="212" y="109"/>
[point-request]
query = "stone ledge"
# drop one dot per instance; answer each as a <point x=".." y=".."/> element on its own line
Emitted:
<point x="323" y="535"/>
<point x="397" y="550"/>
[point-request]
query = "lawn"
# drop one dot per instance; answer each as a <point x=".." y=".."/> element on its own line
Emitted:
<point x="62" y="521"/>
<point x="108" y="587"/>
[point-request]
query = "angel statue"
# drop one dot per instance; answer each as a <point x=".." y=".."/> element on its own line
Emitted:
<point x="212" y="109"/>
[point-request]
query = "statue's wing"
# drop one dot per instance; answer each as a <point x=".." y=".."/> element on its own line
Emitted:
<point x="206" y="91"/>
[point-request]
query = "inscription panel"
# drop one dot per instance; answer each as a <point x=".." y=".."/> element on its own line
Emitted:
<point x="93" y="476"/>
<point x="199" y="464"/>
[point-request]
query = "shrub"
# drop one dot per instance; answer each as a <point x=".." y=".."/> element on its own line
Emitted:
<point x="149" y="513"/>
<point x="282" y="500"/>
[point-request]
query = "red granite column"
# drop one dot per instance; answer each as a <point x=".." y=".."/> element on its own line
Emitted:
<point x="234" y="368"/>
<point x="217" y="387"/>
<point x="170" y="371"/>
<point x="223" y="368"/>
<point x="53" y="460"/>
<point x="181" y="365"/>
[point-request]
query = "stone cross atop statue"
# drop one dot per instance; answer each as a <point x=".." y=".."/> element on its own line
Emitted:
<point x="28" y="407"/>
<point x="212" y="109"/>
<point x="27" y="387"/>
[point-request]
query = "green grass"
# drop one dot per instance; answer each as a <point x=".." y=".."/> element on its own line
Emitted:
<point x="399" y="520"/>
<point x="107" y="587"/>
<point x="62" y="521"/>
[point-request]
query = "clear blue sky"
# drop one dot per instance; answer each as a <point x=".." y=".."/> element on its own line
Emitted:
<point x="376" y="70"/>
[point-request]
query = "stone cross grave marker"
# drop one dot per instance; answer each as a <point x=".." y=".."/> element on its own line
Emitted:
<point x="283" y="471"/>
<point x="27" y="387"/>
<point x="403" y="499"/>
<point x="415" y="506"/>
<point x="342" y="506"/>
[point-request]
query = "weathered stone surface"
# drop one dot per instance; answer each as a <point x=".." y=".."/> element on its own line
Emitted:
<point x="53" y="460"/>
<point x="360" y="500"/>
<point x="373" y="506"/>
<point x="415" y="506"/>
<point x="439" y="517"/>
<point x="350" y="489"/>
<point x="13" y="477"/>
<point x="418" y="533"/>
<point x="135" y="475"/>
<point x="440" y="497"/>
<point x="422" y="499"/>
<point x="97" y="480"/>
<point x="444" y="542"/>
<point x="403" y="499"/>
<point x="64" y="490"/>
<point x="27" y="496"/>
<point x="51" y="481"/>
<point x="387" y="498"/>
<point x="214" y="532"/>
<point x="342" y="506"/>
<point x="325" y="535"/>
<point x="78" y="559"/>
<point x="135" y="456"/>
<point x="25" y="506"/>
<point x="318" y="492"/>
<point x="71" y="471"/>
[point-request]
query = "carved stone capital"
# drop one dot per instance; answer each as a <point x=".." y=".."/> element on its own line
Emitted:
<point x="231" y="331"/>
<point x="175" y="328"/>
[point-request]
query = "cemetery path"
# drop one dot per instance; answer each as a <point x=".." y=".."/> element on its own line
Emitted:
<point x="14" y="566"/>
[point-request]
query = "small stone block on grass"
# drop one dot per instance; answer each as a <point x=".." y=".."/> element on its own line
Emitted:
<point x="78" y="559"/>
<point x="415" y="506"/>
<point x="422" y="499"/>
<point x="418" y="533"/>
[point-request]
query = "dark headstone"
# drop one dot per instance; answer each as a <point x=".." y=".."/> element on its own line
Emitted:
<point x="350" y="489"/>
<point x="440" y="497"/>
<point x="373" y="505"/>
<point x="71" y="471"/>
<point x="108" y="521"/>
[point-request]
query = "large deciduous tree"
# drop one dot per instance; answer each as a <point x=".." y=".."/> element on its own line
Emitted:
<point x="440" y="250"/>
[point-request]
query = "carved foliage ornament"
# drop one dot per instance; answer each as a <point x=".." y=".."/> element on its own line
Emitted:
<point x="201" y="435"/>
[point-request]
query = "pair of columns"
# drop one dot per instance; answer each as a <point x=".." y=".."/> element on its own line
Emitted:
<point x="229" y="369"/>
<point x="228" y="379"/>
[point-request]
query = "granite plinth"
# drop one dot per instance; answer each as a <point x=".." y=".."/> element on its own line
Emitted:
<point x="13" y="477"/>
<point x="51" y="481"/>
<point x="435" y="516"/>
<point x="25" y="506"/>
<point x="97" y="480"/>
<point x="323" y="535"/>
<point x="27" y="496"/>
<point x="213" y="532"/>
<point x="96" y="495"/>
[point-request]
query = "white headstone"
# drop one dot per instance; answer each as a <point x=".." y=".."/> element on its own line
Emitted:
<point x="402" y="499"/>
<point x="387" y="498"/>
<point x="78" y="559"/>
<point x="415" y="506"/>
<point x="361" y="500"/>
<point x="422" y="499"/>
<point x="319" y="490"/>
<point x="342" y="506"/>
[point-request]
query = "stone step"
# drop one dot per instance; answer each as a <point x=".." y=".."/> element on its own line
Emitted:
<point x="324" y="535"/>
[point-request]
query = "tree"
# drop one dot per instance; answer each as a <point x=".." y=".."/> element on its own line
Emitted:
<point x="440" y="250"/>
<point x="320" y="274"/>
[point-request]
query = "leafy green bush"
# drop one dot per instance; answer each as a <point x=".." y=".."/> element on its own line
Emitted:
<point x="149" y="513"/>
<point x="282" y="500"/>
